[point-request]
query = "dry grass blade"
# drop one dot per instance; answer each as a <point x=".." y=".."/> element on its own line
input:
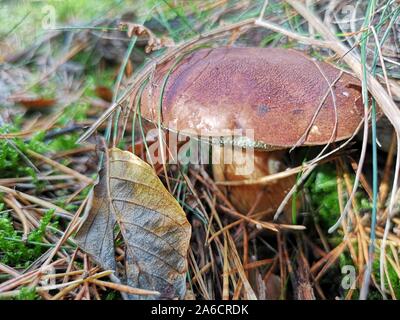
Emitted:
<point x="262" y="224"/>
<point x="38" y="201"/>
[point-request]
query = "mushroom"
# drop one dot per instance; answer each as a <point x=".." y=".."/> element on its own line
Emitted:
<point x="274" y="92"/>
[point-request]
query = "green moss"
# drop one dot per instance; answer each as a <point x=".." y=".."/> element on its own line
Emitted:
<point x="392" y="274"/>
<point x="46" y="92"/>
<point x="13" y="160"/>
<point x="14" y="250"/>
<point x="324" y="196"/>
<point x="76" y="112"/>
<point x="64" y="142"/>
<point x="27" y="294"/>
<point x="113" y="295"/>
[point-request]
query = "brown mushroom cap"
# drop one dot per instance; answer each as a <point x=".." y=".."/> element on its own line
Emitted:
<point x="275" y="92"/>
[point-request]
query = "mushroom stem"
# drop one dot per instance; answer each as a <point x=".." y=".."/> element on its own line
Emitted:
<point x="253" y="198"/>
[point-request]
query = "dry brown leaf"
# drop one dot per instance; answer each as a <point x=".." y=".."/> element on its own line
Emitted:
<point x="35" y="103"/>
<point x="105" y="93"/>
<point x="152" y="223"/>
